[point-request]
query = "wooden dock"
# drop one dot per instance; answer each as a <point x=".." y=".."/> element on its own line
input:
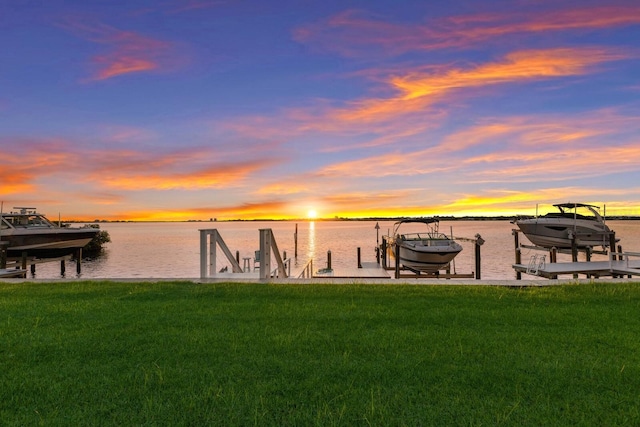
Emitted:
<point x="369" y="270"/>
<point x="592" y="268"/>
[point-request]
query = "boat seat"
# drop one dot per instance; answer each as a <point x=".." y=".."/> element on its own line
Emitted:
<point x="256" y="261"/>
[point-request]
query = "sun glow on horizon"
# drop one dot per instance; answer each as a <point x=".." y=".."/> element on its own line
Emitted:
<point x="312" y="214"/>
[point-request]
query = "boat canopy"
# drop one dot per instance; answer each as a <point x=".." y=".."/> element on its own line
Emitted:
<point x="420" y="220"/>
<point x="565" y="207"/>
<point x="575" y="205"/>
<point x="427" y="221"/>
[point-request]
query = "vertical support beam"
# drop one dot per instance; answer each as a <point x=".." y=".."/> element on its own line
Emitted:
<point x="33" y="269"/>
<point x="359" y="259"/>
<point x="213" y="252"/>
<point x="204" y="234"/>
<point x="384" y="253"/>
<point x="329" y="260"/>
<point x="63" y="267"/>
<point x="574" y="252"/>
<point x="478" y="263"/>
<point x="265" y="253"/>
<point x="517" y="252"/>
<point x="397" y="252"/>
<point x="79" y="261"/>
<point x="553" y="258"/>
<point x="24" y="261"/>
<point x="295" y="241"/>
<point x="3" y="255"/>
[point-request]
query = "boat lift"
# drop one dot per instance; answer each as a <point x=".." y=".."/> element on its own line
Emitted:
<point x="385" y="248"/>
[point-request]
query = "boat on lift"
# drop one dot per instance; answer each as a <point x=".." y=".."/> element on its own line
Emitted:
<point x="557" y="229"/>
<point x="26" y="230"/>
<point x="427" y="251"/>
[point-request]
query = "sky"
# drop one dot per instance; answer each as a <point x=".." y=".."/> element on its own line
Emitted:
<point x="234" y="109"/>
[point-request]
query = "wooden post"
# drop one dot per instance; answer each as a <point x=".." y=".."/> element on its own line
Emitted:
<point x="33" y="269"/>
<point x="295" y="241"/>
<point x="517" y="252"/>
<point x="478" y="264"/>
<point x="329" y="260"/>
<point x="574" y="252"/>
<point x="612" y="242"/>
<point x="79" y="261"/>
<point x="397" y="252"/>
<point x="377" y="243"/>
<point x="384" y="253"/>
<point x="359" y="260"/>
<point x="553" y="258"/>
<point x="3" y="255"/>
<point x="63" y="267"/>
<point x="238" y="257"/>
<point x="621" y="257"/>
<point x="24" y="261"/>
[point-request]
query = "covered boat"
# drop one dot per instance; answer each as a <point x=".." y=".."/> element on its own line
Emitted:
<point x="427" y="251"/>
<point x="26" y="230"/>
<point x="557" y="229"/>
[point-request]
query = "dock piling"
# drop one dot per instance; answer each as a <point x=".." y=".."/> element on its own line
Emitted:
<point x="518" y="253"/>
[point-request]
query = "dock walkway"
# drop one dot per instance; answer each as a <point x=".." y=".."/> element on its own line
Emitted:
<point x="369" y="270"/>
<point x="595" y="268"/>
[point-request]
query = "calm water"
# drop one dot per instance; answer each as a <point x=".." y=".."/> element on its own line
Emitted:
<point x="171" y="250"/>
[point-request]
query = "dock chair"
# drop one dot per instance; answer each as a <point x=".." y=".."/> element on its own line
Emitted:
<point x="256" y="261"/>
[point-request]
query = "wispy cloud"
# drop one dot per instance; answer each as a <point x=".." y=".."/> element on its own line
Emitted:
<point x="416" y="94"/>
<point x="124" y="52"/>
<point x="515" y="149"/>
<point x="354" y="32"/>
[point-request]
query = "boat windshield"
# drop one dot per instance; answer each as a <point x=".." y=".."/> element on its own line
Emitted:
<point x="24" y="221"/>
<point x="4" y="224"/>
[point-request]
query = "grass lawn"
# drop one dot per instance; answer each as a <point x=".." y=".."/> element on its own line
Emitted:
<point x="173" y="353"/>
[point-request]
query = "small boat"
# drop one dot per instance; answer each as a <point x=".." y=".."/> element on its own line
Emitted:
<point x="427" y="251"/>
<point x="557" y="229"/>
<point x="26" y="230"/>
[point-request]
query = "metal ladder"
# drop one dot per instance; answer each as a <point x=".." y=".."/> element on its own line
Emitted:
<point x="536" y="263"/>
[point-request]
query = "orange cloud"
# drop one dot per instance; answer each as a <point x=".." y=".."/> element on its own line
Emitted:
<point x="217" y="176"/>
<point x="186" y="169"/>
<point x="46" y="158"/>
<point x="419" y="90"/>
<point x="416" y="93"/>
<point x="352" y="32"/>
<point x="126" y="51"/>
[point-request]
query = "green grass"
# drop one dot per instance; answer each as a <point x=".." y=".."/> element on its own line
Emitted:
<point x="103" y="353"/>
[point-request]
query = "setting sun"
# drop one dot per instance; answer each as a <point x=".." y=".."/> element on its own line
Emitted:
<point x="312" y="213"/>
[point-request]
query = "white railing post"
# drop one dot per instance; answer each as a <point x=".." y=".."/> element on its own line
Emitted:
<point x="265" y="253"/>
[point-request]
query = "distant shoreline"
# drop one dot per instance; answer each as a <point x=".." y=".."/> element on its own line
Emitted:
<point x="441" y="218"/>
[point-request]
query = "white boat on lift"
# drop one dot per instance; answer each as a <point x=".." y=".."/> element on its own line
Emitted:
<point x="26" y="230"/>
<point x="557" y="229"/>
<point x="427" y="251"/>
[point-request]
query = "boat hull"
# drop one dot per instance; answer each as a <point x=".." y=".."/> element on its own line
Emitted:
<point x="428" y="258"/>
<point x="556" y="232"/>
<point x="48" y="242"/>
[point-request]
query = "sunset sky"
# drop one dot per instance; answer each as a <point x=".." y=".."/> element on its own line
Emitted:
<point x="198" y="109"/>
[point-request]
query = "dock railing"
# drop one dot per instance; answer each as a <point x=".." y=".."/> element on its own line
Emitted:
<point x="307" y="271"/>
<point x="625" y="256"/>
